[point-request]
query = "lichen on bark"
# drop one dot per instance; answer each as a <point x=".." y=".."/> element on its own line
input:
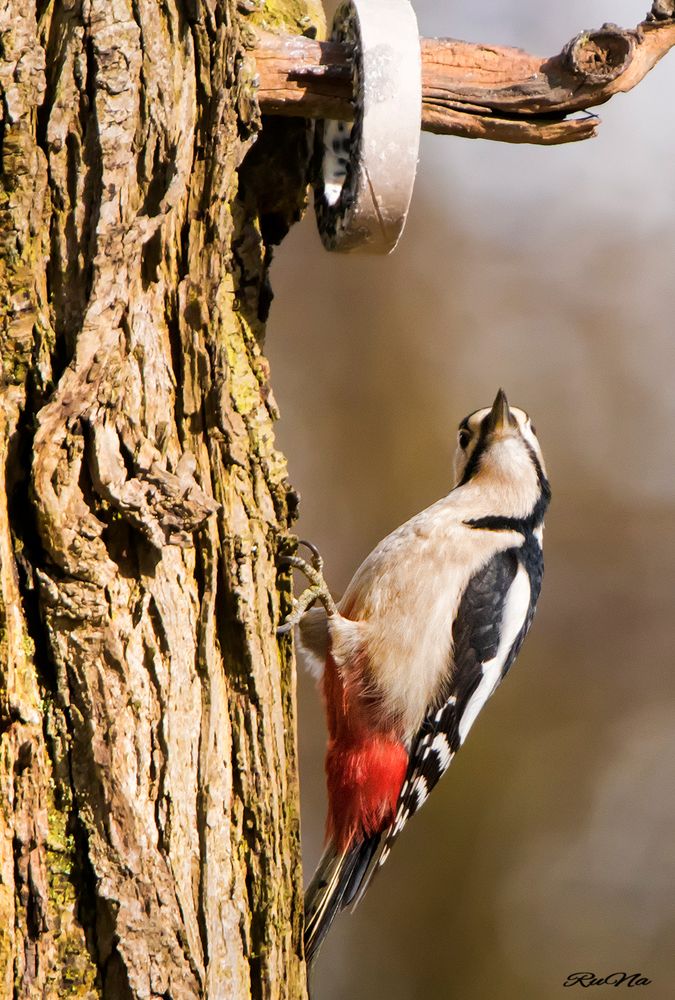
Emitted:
<point x="148" y="786"/>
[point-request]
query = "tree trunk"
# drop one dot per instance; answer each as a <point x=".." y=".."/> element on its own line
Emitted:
<point x="149" y="833"/>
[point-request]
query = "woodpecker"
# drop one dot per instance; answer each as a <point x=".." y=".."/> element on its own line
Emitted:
<point x="428" y="626"/>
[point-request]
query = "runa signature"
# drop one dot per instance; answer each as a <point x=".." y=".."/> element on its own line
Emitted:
<point x="613" y="979"/>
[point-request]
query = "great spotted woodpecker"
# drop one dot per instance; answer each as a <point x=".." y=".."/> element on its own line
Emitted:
<point x="427" y="628"/>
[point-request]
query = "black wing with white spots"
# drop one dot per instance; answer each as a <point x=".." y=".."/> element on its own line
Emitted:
<point x="476" y="634"/>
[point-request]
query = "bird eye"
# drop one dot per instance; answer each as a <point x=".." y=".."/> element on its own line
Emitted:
<point x="463" y="437"/>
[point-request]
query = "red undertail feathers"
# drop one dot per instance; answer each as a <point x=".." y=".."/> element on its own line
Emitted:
<point x="364" y="781"/>
<point x="366" y="761"/>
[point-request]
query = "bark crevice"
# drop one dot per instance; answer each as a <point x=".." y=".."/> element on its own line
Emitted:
<point x="147" y="505"/>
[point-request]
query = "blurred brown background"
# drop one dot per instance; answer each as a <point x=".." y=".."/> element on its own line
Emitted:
<point x="549" y="846"/>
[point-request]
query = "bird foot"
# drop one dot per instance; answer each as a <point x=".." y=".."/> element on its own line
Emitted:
<point x="317" y="591"/>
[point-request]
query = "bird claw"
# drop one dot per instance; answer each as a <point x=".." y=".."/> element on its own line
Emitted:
<point x="317" y="591"/>
<point x="316" y="562"/>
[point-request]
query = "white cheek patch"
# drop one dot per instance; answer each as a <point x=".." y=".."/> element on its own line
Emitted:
<point x="515" y="611"/>
<point x="529" y="436"/>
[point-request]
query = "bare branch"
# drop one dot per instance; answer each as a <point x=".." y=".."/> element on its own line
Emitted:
<point x="475" y="90"/>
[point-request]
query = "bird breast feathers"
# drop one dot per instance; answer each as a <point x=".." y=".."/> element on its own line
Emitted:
<point x="397" y="614"/>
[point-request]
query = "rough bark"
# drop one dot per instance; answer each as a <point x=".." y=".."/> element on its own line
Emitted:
<point x="149" y="840"/>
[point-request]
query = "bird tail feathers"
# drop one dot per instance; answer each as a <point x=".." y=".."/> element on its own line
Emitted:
<point x="334" y="886"/>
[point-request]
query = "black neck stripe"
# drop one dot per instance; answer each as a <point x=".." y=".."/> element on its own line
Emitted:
<point x="496" y="522"/>
<point x="472" y="464"/>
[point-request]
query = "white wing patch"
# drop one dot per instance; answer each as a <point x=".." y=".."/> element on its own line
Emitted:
<point x="441" y="748"/>
<point x="516" y="607"/>
<point x="433" y="759"/>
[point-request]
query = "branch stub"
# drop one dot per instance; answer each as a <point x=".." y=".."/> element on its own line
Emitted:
<point x="600" y="56"/>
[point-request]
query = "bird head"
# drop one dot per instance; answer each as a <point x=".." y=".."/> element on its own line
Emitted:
<point x="498" y="447"/>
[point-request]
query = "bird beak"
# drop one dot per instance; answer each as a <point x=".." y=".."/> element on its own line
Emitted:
<point x="500" y="415"/>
